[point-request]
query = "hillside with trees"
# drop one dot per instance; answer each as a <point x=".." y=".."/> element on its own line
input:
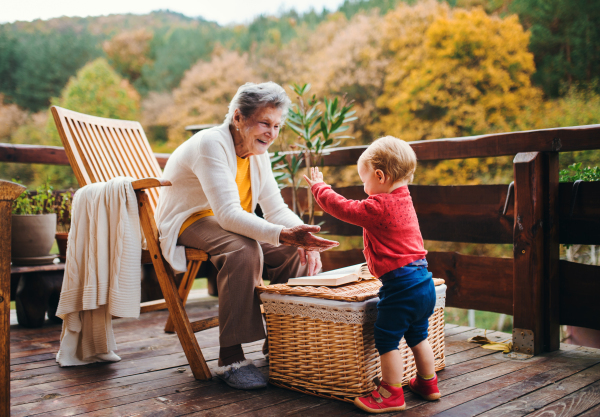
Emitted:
<point x="416" y="69"/>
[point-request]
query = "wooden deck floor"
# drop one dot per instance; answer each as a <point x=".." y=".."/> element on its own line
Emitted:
<point x="153" y="379"/>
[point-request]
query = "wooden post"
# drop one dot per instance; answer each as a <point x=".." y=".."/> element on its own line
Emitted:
<point x="8" y="192"/>
<point x="535" y="283"/>
<point x="528" y="299"/>
<point x="551" y="253"/>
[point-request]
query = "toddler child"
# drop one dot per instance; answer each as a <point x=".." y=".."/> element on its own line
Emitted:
<point x="395" y="254"/>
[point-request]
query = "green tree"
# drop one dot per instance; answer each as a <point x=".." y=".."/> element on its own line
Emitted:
<point x="98" y="90"/>
<point x="565" y="35"/>
<point x="46" y="61"/>
<point x="173" y="52"/>
<point x="9" y="64"/>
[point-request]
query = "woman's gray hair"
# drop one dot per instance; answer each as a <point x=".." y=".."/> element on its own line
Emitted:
<point x="250" y="97"/>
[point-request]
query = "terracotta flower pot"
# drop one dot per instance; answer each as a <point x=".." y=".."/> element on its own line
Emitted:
<point x="61" y="241"/>
<point x="32" y="238"/>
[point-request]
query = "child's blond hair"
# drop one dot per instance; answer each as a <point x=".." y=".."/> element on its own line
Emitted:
<point x="393" y="156"/>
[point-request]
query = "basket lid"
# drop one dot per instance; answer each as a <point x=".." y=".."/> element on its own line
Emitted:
<point x="354" y="291"/>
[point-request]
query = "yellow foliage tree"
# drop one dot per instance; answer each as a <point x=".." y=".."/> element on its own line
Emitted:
<point x="128" y="52"/>
<point x="205" y="92"/>
<point x="470" y="74"/>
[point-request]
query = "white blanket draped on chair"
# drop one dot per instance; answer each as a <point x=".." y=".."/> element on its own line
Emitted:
<point x="102" y="271"/>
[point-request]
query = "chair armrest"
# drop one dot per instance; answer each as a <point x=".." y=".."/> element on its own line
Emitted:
<point x="150" y="183"/>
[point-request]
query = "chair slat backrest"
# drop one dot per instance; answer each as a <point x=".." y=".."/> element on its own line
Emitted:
<point x="100" y="149"/>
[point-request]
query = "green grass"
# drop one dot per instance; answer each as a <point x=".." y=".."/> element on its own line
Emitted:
<point x="199" y="284"/>
<point x="483" y="319"/>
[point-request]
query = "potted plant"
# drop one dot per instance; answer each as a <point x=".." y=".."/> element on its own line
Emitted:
<point x="33" y="227"/>
<point x="64" y="222"/>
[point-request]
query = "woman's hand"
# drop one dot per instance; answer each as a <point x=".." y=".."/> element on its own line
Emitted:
<point x="314" y="261"/>
<point x="316" y="176"/>
<point x="302" y="237"/>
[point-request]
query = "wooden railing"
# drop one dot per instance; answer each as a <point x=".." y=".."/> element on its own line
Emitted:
<point x="535" y="214"/>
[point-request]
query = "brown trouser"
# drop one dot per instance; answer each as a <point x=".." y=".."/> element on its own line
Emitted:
<point x="240" y="261"/>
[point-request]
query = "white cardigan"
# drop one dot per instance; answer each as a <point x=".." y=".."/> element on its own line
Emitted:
<point x="202" y="171"/>
<point x="102" y="271"/>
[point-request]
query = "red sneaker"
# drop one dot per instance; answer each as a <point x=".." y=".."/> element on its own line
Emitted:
<point x="382" y="400"/>
<point x="426" y="388"/>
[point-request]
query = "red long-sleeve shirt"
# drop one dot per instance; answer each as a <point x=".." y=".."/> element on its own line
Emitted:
<point x="391" y="233"/>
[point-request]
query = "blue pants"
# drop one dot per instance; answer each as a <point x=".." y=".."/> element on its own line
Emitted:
<point x="406" y="300"/>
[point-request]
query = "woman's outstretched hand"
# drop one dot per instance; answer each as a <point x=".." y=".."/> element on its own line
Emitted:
<point x="302" y="237"/>
<point x="316" y="176"/>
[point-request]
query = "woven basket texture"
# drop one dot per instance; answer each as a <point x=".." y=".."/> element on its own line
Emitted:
<point x="336" y="360"/>
<point x="354" y="291"/>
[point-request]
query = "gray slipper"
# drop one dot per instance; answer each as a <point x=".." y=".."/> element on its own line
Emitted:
<point x="242" y="375"/>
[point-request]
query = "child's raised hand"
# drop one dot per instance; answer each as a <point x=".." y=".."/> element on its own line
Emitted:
<point x="316" y="176"/>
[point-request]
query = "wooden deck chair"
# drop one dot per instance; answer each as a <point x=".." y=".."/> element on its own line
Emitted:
<point x="100" y="149"/>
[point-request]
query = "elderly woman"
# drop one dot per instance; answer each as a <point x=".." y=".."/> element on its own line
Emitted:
<point x="219" y="176"/>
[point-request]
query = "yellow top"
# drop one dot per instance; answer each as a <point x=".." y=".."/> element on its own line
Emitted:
<point x="242" y="179"/>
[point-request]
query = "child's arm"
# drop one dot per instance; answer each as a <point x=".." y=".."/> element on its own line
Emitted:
<point x="359" y="213"/>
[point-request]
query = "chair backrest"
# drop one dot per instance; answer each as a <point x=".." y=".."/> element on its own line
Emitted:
<point x="100" y="149"/>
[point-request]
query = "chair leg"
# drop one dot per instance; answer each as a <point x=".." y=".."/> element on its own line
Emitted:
<point x="184" y="289"/>
<point x="164" y="273"/>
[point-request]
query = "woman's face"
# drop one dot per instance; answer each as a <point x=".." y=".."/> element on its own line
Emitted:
<point x="257" y="132"/>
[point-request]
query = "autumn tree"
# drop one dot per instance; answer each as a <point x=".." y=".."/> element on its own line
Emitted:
<point x="128" y="52"/>
<point x="471" y="75"/>
<point x="205" y="92"/>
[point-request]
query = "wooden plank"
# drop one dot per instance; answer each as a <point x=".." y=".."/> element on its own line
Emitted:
<point x="48" y="155"/>
<point x="529" y="263"/>
<point x="551" y="335"/>
<point x="145" y="183"/>
<point x="273" y="396"/>
<point x="592" y="412"/>
<point x="579" y="286"/>
<point x="582" y="225"/>
<point x="38" y="268"/>
<point x="476" y="282"/>
<point x="573" y="404"/>
<point x="457" y="330"/>
<point x="9" y="191"/>
<point x="496" y="144"/>
<point x="467" y="213"/>
<point x="33" y="154"/>
<point x="205" y="324"/>
<point x="153" y="305"/>
<point x="468" y="388"/>
<point x="519" y="404"/>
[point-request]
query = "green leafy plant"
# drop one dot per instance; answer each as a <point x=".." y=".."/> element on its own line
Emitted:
<point x="318" y="126"/>
<point x="64" y="211"/>
<point x="42" y="202"/>
<point x="575" y="172"/>
<point x="287" y="173"/>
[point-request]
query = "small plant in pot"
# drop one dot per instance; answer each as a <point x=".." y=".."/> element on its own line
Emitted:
<point x="33" y="227"/>
<point x="63" y="208"/>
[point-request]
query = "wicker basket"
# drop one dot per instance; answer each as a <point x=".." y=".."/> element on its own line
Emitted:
<point x="326" y="347"/>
